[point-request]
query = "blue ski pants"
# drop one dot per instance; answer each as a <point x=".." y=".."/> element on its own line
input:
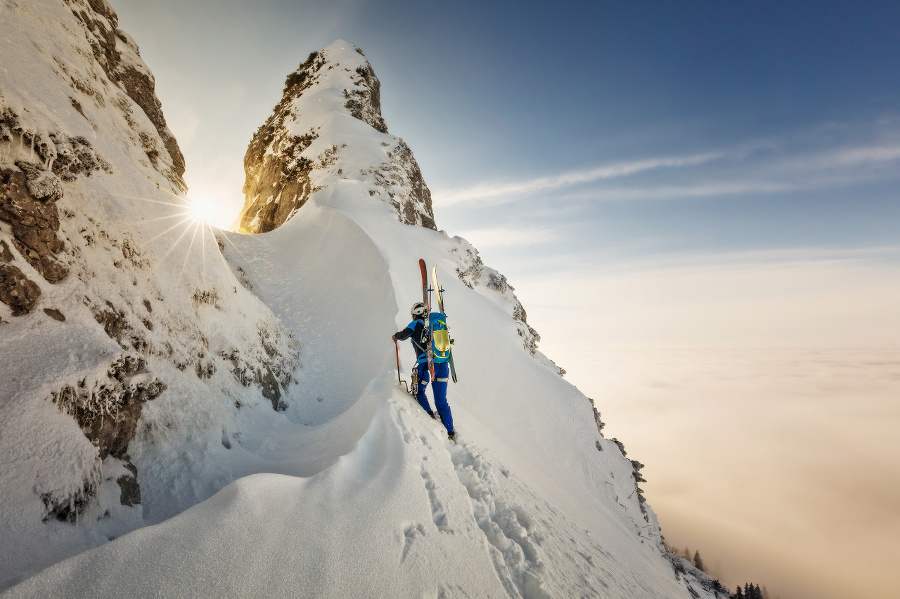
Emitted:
<point x="438" y="389"/>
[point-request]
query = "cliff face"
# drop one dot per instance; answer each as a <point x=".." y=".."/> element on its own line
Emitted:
<point x="289" y="160"/>
<point x="111" y="309"/>
<point x="118" y="55"/>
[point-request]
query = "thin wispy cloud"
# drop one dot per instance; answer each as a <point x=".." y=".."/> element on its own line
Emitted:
<point x="506" y="237"/>
<point x="683" y="191"/>
<point x="802" y="171"/>
<point x="859" y="156"/>
<point x="504" y="192"/>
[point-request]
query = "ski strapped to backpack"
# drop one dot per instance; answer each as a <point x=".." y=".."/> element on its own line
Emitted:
<point x="440" y="333"/>
<point x="426" y="299"/>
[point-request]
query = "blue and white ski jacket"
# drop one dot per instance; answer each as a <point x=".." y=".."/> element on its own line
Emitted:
<point x="418" y="332"/>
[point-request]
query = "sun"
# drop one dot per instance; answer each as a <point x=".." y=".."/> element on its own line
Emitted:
<point x="201" y="209"/>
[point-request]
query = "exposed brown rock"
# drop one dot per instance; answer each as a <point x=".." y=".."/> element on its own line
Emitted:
<point x="401" y="179"/>
<point x="55" y="314"/>
<point x="108" y="45"/>
<point x="277" y="371"/>
<point x="281" y="201"/>
<point x="141" y="87"/>
<point x="130" y="490"/>
<point x="115" y="325"/>
<point x="477" y="274"/>
<point x="364" y="102"/>
<point x="34" y="222"/>
<point x="109" y="410"/>
<point x="269" y="385"/>
<point x="277" y="183"/>
<point x="5" y="254"/>
<point x="66" y="507"/>
<point x="17" y="291"/>
<point x="75" y="156"/>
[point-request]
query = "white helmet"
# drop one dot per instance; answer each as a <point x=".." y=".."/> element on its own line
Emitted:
<point x="418" y="310"/>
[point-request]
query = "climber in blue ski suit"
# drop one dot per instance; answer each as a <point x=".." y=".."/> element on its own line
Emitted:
<point x="417" y="332"/>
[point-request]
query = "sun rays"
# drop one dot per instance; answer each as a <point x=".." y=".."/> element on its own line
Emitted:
<point x="202" y="209"/>
<point x="177" y="230"/>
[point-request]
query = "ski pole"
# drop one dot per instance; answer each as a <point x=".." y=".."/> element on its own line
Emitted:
<point x="399" y="380"/>
<point x="397" y="349"/>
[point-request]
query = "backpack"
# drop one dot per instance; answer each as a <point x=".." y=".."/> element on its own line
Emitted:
<point x="440" y="337"/>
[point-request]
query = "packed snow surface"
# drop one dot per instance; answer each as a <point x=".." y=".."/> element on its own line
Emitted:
<point x="348" y="488"/>
<point x="359" y="492"/>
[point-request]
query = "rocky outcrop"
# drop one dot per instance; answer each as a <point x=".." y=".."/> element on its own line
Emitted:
<point x="66" y="156"/>
<point x="28" y="204"/>
<point x="5" y="254"/>
<point x="141" y="87"/>
<point x="476" y="274"/>
<point x="17" y="291"/>
<point x="277" y="174"/>
<point x="30" y="190"/>
<point x="108" y="409"/>
<point x="273" y="373"/>
<point x="364" y="101"/>
<point x="288" y="160"/>
<point x="119" y="57"/>
<point x="401" y="180"/>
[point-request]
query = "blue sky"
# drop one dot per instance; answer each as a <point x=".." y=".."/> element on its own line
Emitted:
<point x="500" y="93"/>
<point x="779" y="122"/>
<point x="647" y="174"/>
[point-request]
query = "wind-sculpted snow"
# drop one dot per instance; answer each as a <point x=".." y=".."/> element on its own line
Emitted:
<point x="405" y="514"/>
<point x="195" y="413"/>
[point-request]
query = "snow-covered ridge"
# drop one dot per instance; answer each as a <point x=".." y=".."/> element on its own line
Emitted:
<point x="239" y="391"/>
<point x="331" y="102"/>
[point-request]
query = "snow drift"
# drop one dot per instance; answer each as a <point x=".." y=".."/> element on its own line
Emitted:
<point x="194" y="412"/>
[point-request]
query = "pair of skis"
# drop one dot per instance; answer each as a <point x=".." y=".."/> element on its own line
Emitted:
<point x="426" y="299"/>
<point x="429" y="352"/>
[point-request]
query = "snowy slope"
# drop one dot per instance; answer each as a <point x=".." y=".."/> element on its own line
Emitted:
<point x="277" y="456"/>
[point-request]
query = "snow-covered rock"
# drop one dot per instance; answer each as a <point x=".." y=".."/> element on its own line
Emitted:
<point x="218" y="414"/>
<point x="287" y="161"/>
<point x="118" y="340"/>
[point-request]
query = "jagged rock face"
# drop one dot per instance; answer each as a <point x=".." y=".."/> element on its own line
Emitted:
<point x="476" y="274"/>
<point x="288" y="160"/>
<point x="364" y="102"/>
<point x="119" y="57"/>
<point x="34" y="220"/>
<point x="108" y="410"/>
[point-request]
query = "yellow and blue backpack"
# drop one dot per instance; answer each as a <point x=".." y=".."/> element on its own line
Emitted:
<point x="440" y="337"/>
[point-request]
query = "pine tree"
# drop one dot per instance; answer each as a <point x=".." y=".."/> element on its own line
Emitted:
<point x="697" y="561"/>
<point x="739" y="594"/>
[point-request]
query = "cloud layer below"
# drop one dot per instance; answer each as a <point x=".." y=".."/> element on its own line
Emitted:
<point x="790" y="478"/>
